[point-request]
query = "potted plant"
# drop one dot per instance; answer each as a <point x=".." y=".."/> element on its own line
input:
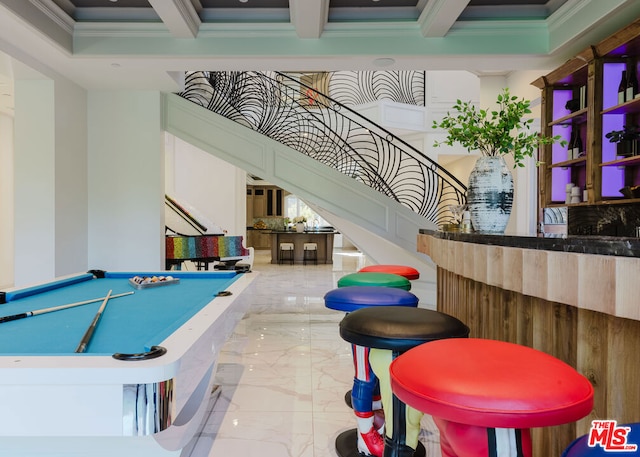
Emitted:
<point x="626" y="140"/>
<point x="299" y="221"/>
<point x="496" y="133"/>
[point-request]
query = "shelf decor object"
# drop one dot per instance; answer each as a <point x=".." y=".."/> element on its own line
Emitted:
<point x="503" y="131"/>
<point x="626" y="140"/>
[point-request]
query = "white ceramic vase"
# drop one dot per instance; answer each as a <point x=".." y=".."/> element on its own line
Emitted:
<point x="490" y="195"/>
<point x="300" y="227"/>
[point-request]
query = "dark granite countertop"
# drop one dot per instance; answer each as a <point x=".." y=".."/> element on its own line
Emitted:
<point x="313" y="232"/>
<point x="601" y="245"/>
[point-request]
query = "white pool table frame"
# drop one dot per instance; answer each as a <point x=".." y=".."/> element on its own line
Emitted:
<point x="71" y="398"/>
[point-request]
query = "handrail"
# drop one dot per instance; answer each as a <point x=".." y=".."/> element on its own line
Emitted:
<point x="300" y="117"/>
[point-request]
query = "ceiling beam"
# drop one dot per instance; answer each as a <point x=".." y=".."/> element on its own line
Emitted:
<point x="179" y="16"/>
<point x="309" y="17"/>
<point x="438" y="16"/>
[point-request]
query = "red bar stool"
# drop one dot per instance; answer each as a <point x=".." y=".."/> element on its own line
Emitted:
<point x="401" y="270"/>
<point x="485" y="395"/>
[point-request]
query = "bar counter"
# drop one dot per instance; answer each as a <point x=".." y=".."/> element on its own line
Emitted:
<point x="576" y="298"/>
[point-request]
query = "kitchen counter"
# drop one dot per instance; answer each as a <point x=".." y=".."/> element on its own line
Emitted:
<point x="323" y="238"/>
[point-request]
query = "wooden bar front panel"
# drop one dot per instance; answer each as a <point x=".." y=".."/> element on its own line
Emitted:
<point x="604" y="348"/>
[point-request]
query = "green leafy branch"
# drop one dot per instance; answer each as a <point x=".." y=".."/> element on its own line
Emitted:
<point x="499" y="132"/>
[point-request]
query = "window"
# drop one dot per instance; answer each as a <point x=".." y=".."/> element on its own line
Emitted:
<point x="295" y="207"/>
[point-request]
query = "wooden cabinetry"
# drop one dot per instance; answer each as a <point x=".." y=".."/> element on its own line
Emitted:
<point x="581" y="98"/>
<point x="265" y="201"/>
<point x="249" y="205"/>
<point x="259" y="239"/>
<point x="259" y="202"/>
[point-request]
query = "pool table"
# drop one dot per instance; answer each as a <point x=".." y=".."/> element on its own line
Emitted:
<point x="143" y="383"/>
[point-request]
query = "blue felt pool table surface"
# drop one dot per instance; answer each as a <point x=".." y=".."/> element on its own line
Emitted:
<point x="129" y="324"/>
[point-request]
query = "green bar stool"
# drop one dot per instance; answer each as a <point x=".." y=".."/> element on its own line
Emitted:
<point x="401" y="270"/>
<point x="375" y="279"/>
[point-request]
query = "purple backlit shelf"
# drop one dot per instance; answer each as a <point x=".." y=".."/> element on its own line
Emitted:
<point x="579" y="116"/>
<point x="632" y="106"/>
<point x="626" y="162"/>
<point x="590" y="81"/>
<point x="579" y="162"/>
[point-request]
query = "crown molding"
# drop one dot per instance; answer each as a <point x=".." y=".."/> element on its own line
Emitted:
<point x="55" y="14"/>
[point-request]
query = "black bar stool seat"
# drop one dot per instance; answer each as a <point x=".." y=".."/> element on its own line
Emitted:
<point x="390" y="331"/>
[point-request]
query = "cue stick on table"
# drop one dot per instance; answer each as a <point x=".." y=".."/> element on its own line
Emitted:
<point x="89" y="333"/>
<point x="37" y="312"/>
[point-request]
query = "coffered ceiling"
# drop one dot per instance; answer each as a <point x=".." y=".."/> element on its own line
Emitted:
<point x="150" y="43"/>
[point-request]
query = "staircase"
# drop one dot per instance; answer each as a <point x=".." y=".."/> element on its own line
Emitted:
<point x="379" y="201"/>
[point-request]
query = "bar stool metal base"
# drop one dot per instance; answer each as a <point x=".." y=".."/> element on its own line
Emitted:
<point x="286" y="253"/>
<point x="347" y="398"/>
<point x="347" y="445"/>
<point x="310" y="253"/>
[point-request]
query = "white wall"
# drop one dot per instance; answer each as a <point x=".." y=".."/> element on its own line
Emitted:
<point x="126" y="180"/>
<point x="6" y="201"/>
<point x="216" y="188"/>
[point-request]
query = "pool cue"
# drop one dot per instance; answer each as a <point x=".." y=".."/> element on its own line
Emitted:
<point x="37" y="312"/>
<point x="89" y="333"/>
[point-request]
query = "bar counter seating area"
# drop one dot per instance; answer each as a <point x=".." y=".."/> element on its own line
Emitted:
<point x="569" y="291"/>
<point x="574" y="299"/>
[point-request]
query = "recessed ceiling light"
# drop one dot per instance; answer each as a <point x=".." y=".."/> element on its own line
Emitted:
<point x="384" y="62"/>
<point x="243" y="1"/>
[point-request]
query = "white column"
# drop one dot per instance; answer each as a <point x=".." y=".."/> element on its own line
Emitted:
<point x="6" y="201"/>
<point x="71" y="181"/>
<point x="50" y="180"/>
<point x="34" y="197"/>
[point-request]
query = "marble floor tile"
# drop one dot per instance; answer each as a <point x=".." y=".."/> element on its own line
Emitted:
<point x="284" y="372"/>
